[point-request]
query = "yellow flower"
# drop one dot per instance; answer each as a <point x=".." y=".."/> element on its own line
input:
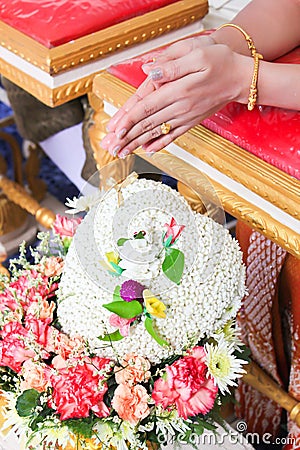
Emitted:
<point x="153" y="305"/>
<point x="112" y="260"/>
<point x="112" y="257"/>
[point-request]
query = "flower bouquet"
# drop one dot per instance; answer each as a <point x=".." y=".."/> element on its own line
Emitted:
<point x="119" y="330"/>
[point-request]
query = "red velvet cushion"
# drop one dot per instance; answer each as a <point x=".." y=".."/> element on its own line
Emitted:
<point x="272" y="134"/>
<point x="55" y="22"/>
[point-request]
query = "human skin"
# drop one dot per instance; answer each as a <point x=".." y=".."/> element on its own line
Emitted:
<point x="196" y="77"/>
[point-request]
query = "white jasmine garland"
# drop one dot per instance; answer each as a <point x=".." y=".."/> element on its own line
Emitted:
<point x="208" y="296"/>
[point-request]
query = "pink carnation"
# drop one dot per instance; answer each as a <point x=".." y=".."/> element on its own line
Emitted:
<point x="79" y="389"/>
<point x="13" y="350"/>
<point x="42" y="331"/>
<point x="65" y="227"/>
<point x="68" y="347"/>
<point x="188" y="386"/>
<point x="135" y="369"/>
<point x="28" y="292"/>
<point x="53" y="266"/>
<point x="131" y="402"/>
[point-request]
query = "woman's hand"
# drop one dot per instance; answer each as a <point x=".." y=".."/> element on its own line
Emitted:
<point x="190" y="82"/>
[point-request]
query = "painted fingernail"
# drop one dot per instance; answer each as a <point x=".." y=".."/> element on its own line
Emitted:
<point x="123" y="154"/>
<point x="116" y="149"/>
<point x="121" y="133"/>
<point x="156" y="74"/>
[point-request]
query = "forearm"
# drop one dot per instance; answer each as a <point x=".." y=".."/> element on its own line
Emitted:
<point x="272" y="24"/>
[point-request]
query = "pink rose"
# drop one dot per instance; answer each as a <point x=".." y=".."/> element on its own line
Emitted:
<point x="131" y="402"/>
<point x="122" y="324"/>
<point x="134" y="369"/>
<point x="79" y="389"/>
<point x="187" y="386"/>
<point x="65" y="227"/>
<point x="13" y="350"/>
<point x="36" y="376"/>
<point x="173" y="230"/>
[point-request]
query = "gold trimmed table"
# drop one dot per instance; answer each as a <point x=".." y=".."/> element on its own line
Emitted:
<point x="53" y="50"/>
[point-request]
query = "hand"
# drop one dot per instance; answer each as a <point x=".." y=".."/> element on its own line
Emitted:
<point x="191" y="87"/>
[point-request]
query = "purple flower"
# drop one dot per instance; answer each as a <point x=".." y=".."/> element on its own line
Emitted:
<point x="132" y="290"/>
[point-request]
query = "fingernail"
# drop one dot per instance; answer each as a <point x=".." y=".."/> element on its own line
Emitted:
<point x="121" y="133"/>
<point x="115" y="150"/>
<point x="156" y="74"/>
<point x="147" y="65"/>
<point x="150" y="154"/>
<point x="123" y="154"/>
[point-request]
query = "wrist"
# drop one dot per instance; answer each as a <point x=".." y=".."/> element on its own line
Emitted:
<point x="243" y="70"/>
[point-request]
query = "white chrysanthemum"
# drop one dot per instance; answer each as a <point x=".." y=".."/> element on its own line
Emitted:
<point x="231" y="333"/>
<point x="19" y="425"/>
<point x="222" y="364"/>
<point x="82" y="203"/>
<point x="51" y="436"/>
<point x="210" y="291"/>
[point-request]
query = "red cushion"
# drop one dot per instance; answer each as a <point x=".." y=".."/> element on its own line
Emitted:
<point x="272" y="134"/>
<point x="56" y="22"/>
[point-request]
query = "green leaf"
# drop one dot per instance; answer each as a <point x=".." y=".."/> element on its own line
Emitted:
<point x="139" y="235"/>
<point x="26" y="402"/>
<point x="126" y="310"/>
<point x="152" y="332"/>
<point x="173" y="265"/>
<point x="118" y="270"/>
<point x="115" y="336"/>
<point x="122" y="241"/>
<point x="81" y="427"/>
<point x="116" y="295"/>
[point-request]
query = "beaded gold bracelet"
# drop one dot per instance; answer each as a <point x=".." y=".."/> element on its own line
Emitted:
<point x="256" y="56"/>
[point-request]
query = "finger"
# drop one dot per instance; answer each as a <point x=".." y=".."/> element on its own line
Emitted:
<point x="177" y="68"/>
<point x="164" y="140"/>
<point x="144" y="89"/>
<point x="146" y="137"/>
<point x="146" y="108"/>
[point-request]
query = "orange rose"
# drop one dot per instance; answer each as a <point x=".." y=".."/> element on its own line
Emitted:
<point x="131" y="402"/>
<point x="135" y="369"/>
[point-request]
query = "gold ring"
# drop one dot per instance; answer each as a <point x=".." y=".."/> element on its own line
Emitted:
<point x="165" y="128"/>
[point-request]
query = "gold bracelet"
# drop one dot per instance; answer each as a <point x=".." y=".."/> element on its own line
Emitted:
<point x="256" y="56"/>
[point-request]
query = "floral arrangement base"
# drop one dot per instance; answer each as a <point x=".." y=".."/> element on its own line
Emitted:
<point x="119" y="333"/>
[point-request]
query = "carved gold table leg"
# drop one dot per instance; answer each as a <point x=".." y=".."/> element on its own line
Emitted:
<point x="103" y="159"/>
<point x="37" y="186"/>
<point x="18" y="195"/>
<point x="262" y="382"/>
<point x="14" y="145"/>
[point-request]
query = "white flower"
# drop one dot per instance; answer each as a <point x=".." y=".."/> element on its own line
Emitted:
<point x="83" y="203"/>
<point x="222" y="365"/>
<point x="231" y="333"/>
<point x="139" y="270"/>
